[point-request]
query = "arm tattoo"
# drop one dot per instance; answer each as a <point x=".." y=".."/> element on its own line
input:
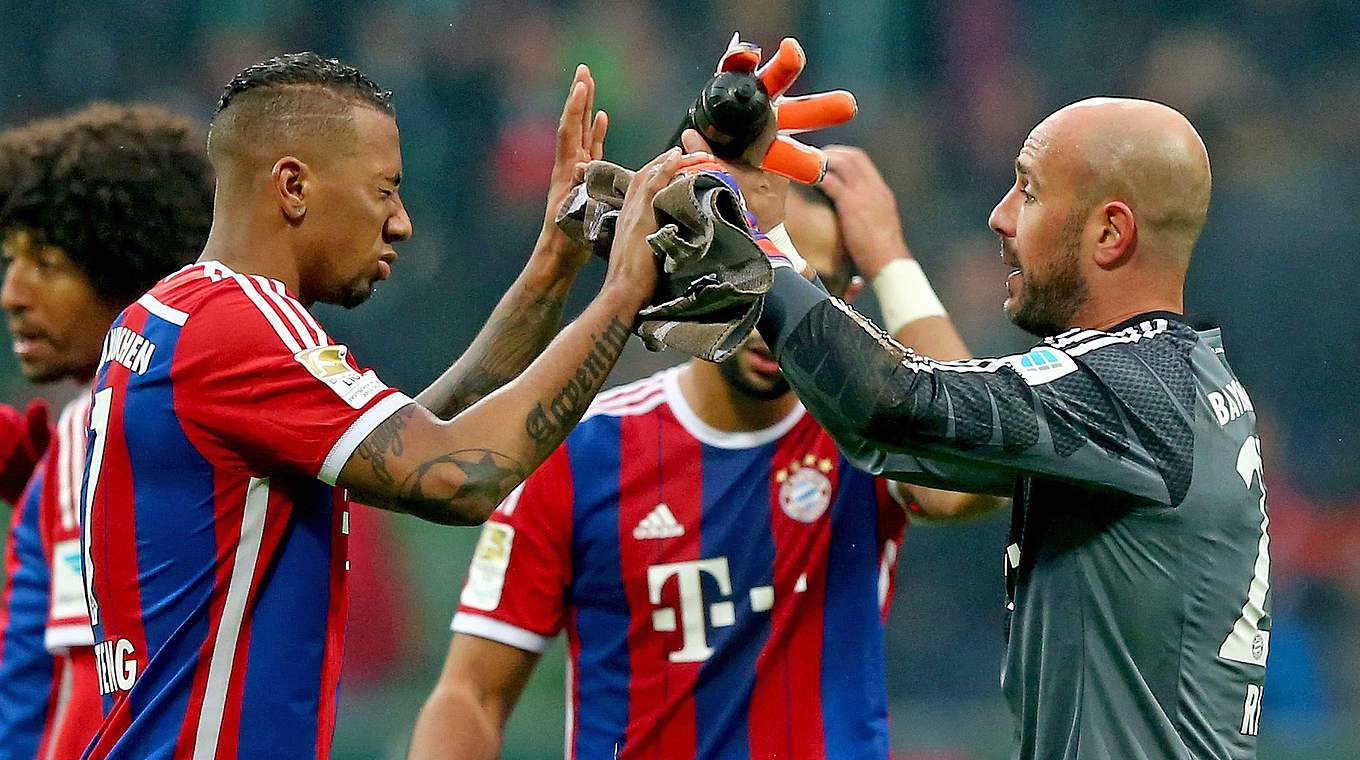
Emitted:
<point x="549" y="426"/>
<point x="487" y="477"/>
<point x="483" y="476"/>
<point x="500" y="352"/>
<point x="383" y="441"/>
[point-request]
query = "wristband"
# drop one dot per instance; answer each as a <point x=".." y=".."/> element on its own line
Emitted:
<point x="779" y="238"/>
<point x="904" y="294"/>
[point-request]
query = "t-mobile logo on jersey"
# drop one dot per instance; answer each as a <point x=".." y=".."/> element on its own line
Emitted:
<point x="694" y="617"/>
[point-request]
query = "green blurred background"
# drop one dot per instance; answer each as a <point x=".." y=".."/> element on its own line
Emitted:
<point x="947" y="91"/>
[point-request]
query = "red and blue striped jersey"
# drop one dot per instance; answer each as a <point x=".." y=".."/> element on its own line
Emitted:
<point x="214" y="539"/>
<point x="51" y="617"/>
<point x="723" y="594"/>
<point x="28" y="672"/>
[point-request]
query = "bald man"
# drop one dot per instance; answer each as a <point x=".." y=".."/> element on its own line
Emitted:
<point x="1138" y="566"/>
<point x="227" y="427"/>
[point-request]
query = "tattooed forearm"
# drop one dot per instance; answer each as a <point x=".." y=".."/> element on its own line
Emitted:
<point x="486" y="477"/>
<point x="517" y="332"/>
<point x="549" y="426"/>
<point x="385" y="441"/>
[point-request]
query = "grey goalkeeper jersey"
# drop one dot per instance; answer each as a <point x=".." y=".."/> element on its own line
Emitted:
<point x="1138" y="566"/>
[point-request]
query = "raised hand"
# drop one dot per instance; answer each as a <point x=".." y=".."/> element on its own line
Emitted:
<point x="580" y="139"/>
<point x="632" y="264"/>
<point x="745" y="115"/>
<point x="870" y="226"/>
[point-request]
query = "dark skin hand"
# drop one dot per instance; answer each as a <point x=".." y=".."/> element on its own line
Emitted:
<point x="457" y="471"/>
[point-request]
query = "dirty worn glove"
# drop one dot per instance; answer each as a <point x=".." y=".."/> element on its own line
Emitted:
<point x="713" y="269"/>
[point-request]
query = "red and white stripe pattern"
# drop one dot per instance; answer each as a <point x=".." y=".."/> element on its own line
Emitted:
<point x="294" y="325"/>
<point x="68" y="625"/>
<point x="637" y="397"/>
<point x="71" y="427"/>
<point x="224" y="644"/>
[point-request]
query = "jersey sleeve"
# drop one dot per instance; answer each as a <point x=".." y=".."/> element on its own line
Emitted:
<point x="1108" y="410"/>
<point x="257" y="378"/>
<point x="516" y="589"/>
<point x="27" y="669"/>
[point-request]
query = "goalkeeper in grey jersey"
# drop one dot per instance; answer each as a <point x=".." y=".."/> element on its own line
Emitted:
<point x="1138" y="565"/>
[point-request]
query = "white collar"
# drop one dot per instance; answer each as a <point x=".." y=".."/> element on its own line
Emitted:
<point x="723" y="439"/>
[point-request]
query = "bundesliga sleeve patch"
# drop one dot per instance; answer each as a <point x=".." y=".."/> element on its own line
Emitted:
<point x="1042" y="365"/>
<point x="486" y="576"/>
<point x="327" y="364"/>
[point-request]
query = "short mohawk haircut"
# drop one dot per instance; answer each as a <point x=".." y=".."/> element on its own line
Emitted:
<point x="290" y="94"/>
<point x="307" y="70"/>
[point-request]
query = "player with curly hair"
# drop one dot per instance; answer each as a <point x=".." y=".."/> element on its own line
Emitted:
<point x="95" y="207"/>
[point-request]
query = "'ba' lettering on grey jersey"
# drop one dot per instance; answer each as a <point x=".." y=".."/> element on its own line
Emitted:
<point x="1138" y="566"/>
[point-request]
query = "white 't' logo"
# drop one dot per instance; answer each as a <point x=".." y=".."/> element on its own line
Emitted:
<point x="691" y="612"/>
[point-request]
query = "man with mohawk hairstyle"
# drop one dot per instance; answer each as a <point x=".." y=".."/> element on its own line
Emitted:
<point x="228" y="432"/>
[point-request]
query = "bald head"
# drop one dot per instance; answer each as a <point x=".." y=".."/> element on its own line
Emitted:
<point x="1142" y="153"/>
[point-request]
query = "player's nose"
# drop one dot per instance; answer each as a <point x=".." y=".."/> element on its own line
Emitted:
<point x="1002" y="218"/>
<point x="15" y="291"/>
<point x="398" y="227"/>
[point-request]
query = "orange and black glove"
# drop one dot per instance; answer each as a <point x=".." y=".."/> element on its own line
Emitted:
<point x="23" y="439"/>
<point x="744" y="115"/>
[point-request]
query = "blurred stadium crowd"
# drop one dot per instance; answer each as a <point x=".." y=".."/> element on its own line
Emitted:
<point x="947" y="92"/>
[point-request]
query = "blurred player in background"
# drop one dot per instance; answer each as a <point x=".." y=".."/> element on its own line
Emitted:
<point x="94" y="208"/>
<point x="1138" y="568"/>
<point x="227" y="427"/>
<point x="722" y="574"/>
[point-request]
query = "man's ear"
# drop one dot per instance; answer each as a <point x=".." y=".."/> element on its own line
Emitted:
<point x="1118" y="231"/>
<point x="289" y="180"/>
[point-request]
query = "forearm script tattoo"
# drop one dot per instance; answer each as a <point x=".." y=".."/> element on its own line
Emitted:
<point x="549" y="426"/>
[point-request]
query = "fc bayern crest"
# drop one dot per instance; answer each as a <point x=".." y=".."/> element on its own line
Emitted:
<point x="805" y="494"/>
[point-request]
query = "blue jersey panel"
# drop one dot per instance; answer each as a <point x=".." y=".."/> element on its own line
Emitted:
<point x="603" y="671"/>
<point x="736" y="525"/>
<point x="293" y="606"/>
<point x="173" y="489"/>
<point x="26" y="668"/>
<point x="854" y="699"/>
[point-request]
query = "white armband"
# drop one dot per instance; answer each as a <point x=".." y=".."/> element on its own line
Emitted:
<point x="904" y="294"/>
<point x="780" y="237"/>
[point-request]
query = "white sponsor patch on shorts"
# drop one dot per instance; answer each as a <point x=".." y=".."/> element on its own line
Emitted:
<point x="327" y="364"/>
<point x="486" y="576"/>
<point x="1042" y="365"/>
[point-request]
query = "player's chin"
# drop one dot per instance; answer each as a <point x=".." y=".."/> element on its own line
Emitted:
<point x="764" y="384"/>
<point x="40" y="371"/>
<point x="357" y="294"/>
<point x="1011" y="307"/>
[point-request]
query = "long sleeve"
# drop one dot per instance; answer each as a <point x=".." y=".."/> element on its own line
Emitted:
<point x="1086" y="406"/>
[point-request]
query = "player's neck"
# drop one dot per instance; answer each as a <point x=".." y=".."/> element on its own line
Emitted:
<point x="1120" y="301"/>
<point x="723" y="407"/>
<point x="246" y="246"/>
<point x="1110" y="317"/>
